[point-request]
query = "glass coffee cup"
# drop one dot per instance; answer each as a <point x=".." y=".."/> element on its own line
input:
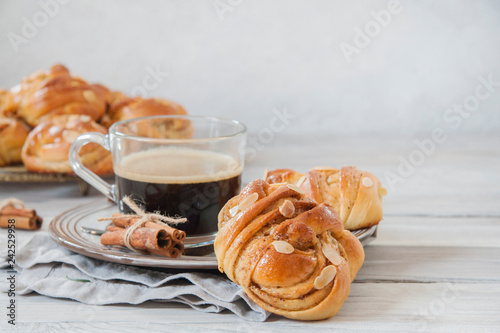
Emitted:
<point x="184" y="166"/>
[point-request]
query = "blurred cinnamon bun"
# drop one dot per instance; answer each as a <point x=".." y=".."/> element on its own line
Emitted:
<point x="13" y="134"/>
<point x="356" y="195"/>
<point x="125" y="108"/>
<point x="55" y="92"/>
<point x="47" y="147"/>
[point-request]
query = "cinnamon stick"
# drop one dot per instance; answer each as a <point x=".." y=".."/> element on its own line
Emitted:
<point x="120" y="220"/>
<point x="167" y="242"/>
<point x="151" y="240"/>
<point x="177" y="234"/>
<point x="24" y="218"/>
<point x="114" y="228"/>
<point x="178" y="247"/>
<point x="11" y="210"/>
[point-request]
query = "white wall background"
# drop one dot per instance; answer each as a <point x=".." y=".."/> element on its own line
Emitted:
<point x="274" y="54"/>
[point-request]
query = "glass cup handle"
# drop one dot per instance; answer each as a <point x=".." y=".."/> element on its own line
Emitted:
<point x="83" y="172"/>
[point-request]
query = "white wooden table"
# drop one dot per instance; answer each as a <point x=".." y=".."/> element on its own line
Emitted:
<point x="435" y="265"/>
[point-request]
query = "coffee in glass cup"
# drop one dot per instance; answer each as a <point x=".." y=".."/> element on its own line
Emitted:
<point x="181" y="166"/>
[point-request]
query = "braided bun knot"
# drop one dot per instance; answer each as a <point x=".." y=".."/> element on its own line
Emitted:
<point x="290" y="255"/>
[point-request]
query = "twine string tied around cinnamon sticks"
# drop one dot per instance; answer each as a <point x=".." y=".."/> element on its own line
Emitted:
<point x="143" y="218"/>
<point x="11" y="202"/>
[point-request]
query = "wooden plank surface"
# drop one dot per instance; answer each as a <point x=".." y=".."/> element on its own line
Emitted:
<point x="460" y="178"/>
<point x="434" y="267"/>
<point x="439" y="231"/>
<point x="439" y="307"/>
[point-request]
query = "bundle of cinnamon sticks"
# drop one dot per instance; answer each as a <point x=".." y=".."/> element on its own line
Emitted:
<point x="20" y="217"/>
<point x="151" y="237"/>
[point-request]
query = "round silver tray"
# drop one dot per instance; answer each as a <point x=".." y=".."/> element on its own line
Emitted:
<point x="66" y="230"/>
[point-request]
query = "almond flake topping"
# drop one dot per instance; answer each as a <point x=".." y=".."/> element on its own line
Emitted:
<point x="367" y="182"/>
<point x="278" y="184"/>
<point x="327" y="275"/>
<point x="233" y="211"/>
<point x="283" y="247"/>
<point x="248" y="201"/>
<point x="287" y="209"/>
<point x="296" y="188"/>
<point x="301" y="181"/>
<point x="70" y="135"/>
<point x="264" y="177"/>
<point x="89" y="95"/>
<point x="332" y="254"/>
<point x="73" y="120"/>
<point x="333" y="178"/>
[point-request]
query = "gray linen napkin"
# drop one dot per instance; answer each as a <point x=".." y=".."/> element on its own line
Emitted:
<point x="48" y="269"/>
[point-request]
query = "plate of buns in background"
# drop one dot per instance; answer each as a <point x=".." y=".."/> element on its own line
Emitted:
<point x="42" y="116"/>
